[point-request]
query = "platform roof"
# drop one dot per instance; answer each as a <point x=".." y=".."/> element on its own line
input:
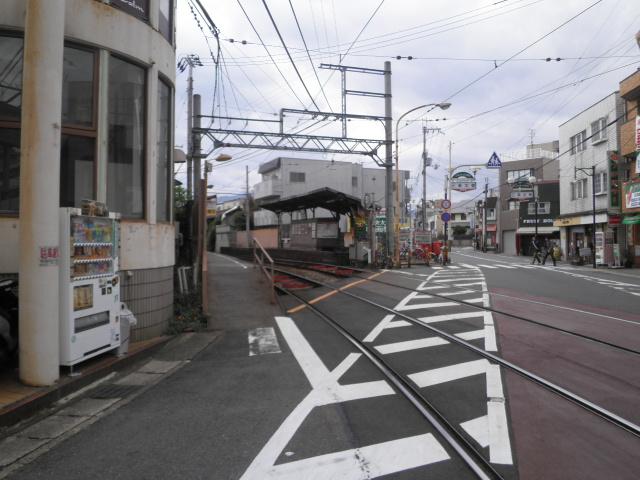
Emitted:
<point x="326" y="198"/>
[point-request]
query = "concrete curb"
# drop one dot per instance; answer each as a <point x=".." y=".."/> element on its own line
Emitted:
<point x="32" y="404"/>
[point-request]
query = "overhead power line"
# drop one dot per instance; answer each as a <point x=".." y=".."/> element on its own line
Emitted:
<point x="295" y="67"/>
<point x="315" y="72"/>
<point x="269" y="53"/>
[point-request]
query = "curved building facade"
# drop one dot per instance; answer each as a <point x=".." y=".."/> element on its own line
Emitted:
<point x="86" y="112"/>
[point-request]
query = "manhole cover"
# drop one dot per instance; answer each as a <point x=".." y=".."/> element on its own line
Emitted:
<point x="113" y="391"/>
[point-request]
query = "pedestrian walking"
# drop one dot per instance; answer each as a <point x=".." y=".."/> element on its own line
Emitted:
<point x="549" y="251"/>
<point x="535" y="245"/>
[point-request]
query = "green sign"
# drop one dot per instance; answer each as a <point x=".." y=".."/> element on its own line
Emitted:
<point x="381" y="223"/>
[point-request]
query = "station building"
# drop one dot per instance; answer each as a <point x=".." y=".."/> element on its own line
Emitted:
<point x="86" y="112"/>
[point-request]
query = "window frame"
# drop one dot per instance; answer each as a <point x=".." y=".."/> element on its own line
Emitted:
<point x="303" y="176"/>
<point x="172" y="9"/>
<point x="164" y="80"/>
<point x="145" y="136"/>
<point x="84" y="130"/>
<point x="599" y="134"/>
<point x="5" y="123"/>
<point x="600" y="177"/>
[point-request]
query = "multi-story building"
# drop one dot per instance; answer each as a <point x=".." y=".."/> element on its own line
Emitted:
<point x="92" y="119"/>
<point x="629" y="166"/>
<point x="488" y="225"/>
<point x="590" y="144"/>
<point x="539" y="161"/>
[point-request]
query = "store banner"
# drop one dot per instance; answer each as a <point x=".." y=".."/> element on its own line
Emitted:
<point x="632" y="195"/>
<point x="137" y="8"/>
<point x="637" y="133"/>
<point x="638" y="163"/>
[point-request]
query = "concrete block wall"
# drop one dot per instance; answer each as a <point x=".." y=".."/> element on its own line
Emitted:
<point x="149" y="295"/>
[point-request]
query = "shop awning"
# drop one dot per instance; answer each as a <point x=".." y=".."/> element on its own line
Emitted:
<point x="631" y="220"/>
<point x="532" y="230"/>
<point x="492" y="227"/>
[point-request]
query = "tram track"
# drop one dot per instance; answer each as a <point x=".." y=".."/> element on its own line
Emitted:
<point x="473" y="305"/>
<point x="560" y="391"/>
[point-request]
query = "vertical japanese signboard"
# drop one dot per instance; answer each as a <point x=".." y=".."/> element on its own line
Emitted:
<point x="638" y="144"/>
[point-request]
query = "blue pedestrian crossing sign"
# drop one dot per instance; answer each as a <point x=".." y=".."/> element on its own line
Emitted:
<point x="494" y="161"/>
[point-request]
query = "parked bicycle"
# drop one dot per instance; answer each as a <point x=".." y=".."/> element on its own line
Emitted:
<point x="8" y="322"/>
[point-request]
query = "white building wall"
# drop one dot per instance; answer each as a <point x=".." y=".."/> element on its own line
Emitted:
<point x="595" y="154"/>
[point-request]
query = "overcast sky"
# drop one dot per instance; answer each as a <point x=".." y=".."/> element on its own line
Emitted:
<point x="453" y="44"/>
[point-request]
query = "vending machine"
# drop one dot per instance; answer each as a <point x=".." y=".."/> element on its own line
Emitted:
<point x="89" y="285"/>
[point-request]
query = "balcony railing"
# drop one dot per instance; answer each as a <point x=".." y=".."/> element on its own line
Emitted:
<point x="268" y="188"/>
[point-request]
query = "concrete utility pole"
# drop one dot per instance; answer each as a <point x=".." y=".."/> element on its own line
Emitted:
<point x="484" y="215"/>
<point x="40" y="192"/>
<point x="247" y="212"/>
<point x="197" y="188"/>
<point x="189" y="131"/>
<point x="388" y="136"/>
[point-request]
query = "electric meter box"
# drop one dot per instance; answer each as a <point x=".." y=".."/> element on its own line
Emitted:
<point x="89" y="285"/>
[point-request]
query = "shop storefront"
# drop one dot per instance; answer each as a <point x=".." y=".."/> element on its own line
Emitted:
<point x="577" y="234"/>
<point x="631" y="219"/>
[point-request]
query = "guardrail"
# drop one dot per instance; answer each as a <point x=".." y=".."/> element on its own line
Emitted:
<point x="263" y="259"/>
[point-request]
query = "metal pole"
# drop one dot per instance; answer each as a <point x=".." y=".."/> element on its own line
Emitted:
<point x="593" y="199"/>
<point x="388" y="130"/>
<point x="535" y="193"/>
<point x="424" y="189"/>
<point x="190" y="132"/>
<point x="484" y="215"/>
<point x="343" y="75"/>
<point x="196" y="186"/>
<point x="248" y="209"/>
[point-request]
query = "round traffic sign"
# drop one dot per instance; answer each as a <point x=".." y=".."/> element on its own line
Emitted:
<point x="446" y="216"/>
<point x="446" y="204"/>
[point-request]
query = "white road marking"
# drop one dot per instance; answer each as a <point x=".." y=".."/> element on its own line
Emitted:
<point x="384" y="324"/>
<point x="452" y="316"/>
<point x="494" y="382"/>
<point x="263" y="341"/>
<point x="457" y="292"/>
<point x="490" y="344"/>
<point x="468" y="284"/>
<point x="411" y="345"/>
<point x="453" y="267"/>
<point x="364" y="463"/>
<point x="475" y="300"/>
<point x="487" y="266"/>
<point x="449" y="373"/>
<point x="402" y="306"/>
<point x="447" y="280"/>
<point x="472" y="335"/>
<point x="325" y="391"/>
<point x="231" y="260"/>
<point x="478" y="429"/>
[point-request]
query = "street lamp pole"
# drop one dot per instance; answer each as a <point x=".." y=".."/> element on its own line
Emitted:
<point x="533" y="181"/>
<point x="396" y="225"/>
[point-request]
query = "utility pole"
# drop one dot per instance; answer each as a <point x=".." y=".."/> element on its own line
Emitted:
<point x="484" y="215"/>
<point x="197" y="155"/>
<point x="447" y="188"/>
<point x="424" y="178"/>
<point x="591" y="172"/>
<point x="247" y="212"/>
<point x="388" y="136"/>
<point x="189" y="131"/>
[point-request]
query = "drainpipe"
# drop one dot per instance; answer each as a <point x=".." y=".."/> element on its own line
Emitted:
<point x="40" y="192"/>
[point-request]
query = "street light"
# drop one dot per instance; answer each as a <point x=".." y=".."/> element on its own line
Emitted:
<point x="442" y="106"/>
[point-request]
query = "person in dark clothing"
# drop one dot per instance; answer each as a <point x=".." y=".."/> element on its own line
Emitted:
<point x="548" y="251"/>
<point x="535" y="245"/>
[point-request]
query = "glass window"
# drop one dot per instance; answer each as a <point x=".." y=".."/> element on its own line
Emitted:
<point x="354" y="182"/>
<point x="10" y="78"/>
<point x="77" y="170"/>
<point x="9" y="169"/>
<point x="125" y="171"/>
<point x="77" y="87"/>
<point x="163" y="166"/>
<point x="297" y="177"/>
<point x="165" y="19"/>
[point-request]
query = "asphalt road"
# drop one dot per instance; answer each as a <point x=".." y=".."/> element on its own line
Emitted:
<point x="281" y="395"/>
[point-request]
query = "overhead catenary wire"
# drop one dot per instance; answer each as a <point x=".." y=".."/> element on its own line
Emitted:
<point x="293" y="63"/>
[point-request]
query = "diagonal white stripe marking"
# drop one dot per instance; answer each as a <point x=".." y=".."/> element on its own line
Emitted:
<point x="486" y="266"/>
<point x="473" y="335"/>
<point x="363" y="463"/>
<point x="452" y="316"/>
<point x="447" y="374"/>
<point x="410" y="345"/>
<point x="478" y="429"/>
<point x="386" y="322"/>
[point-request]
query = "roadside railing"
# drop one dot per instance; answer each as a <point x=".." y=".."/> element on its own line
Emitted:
<point x="262" y="259"/>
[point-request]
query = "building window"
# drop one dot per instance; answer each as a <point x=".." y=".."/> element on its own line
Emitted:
<point x="491" y="214"/>
<point x="579" y="189"/>
<point x="599" y="130"/>
<point x="544" y="208"/>
<point x="520" y="175"/>
<point x="514" y="205"/>
<point x="296" y="177"/>
<point x="78" y="142"/>
<point x="354" y="182"/>
<point x="125" y="169"/>
<point x="463" y="216"/>
<point x="77" y="170"/>
<point x="11" y="52"/>
<point x="163" y="166"/>
<point x="165" y="20"/>
<point x="578" y="142"/>
<point x="600" y="183"/>
<point x="9" y="170"/>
